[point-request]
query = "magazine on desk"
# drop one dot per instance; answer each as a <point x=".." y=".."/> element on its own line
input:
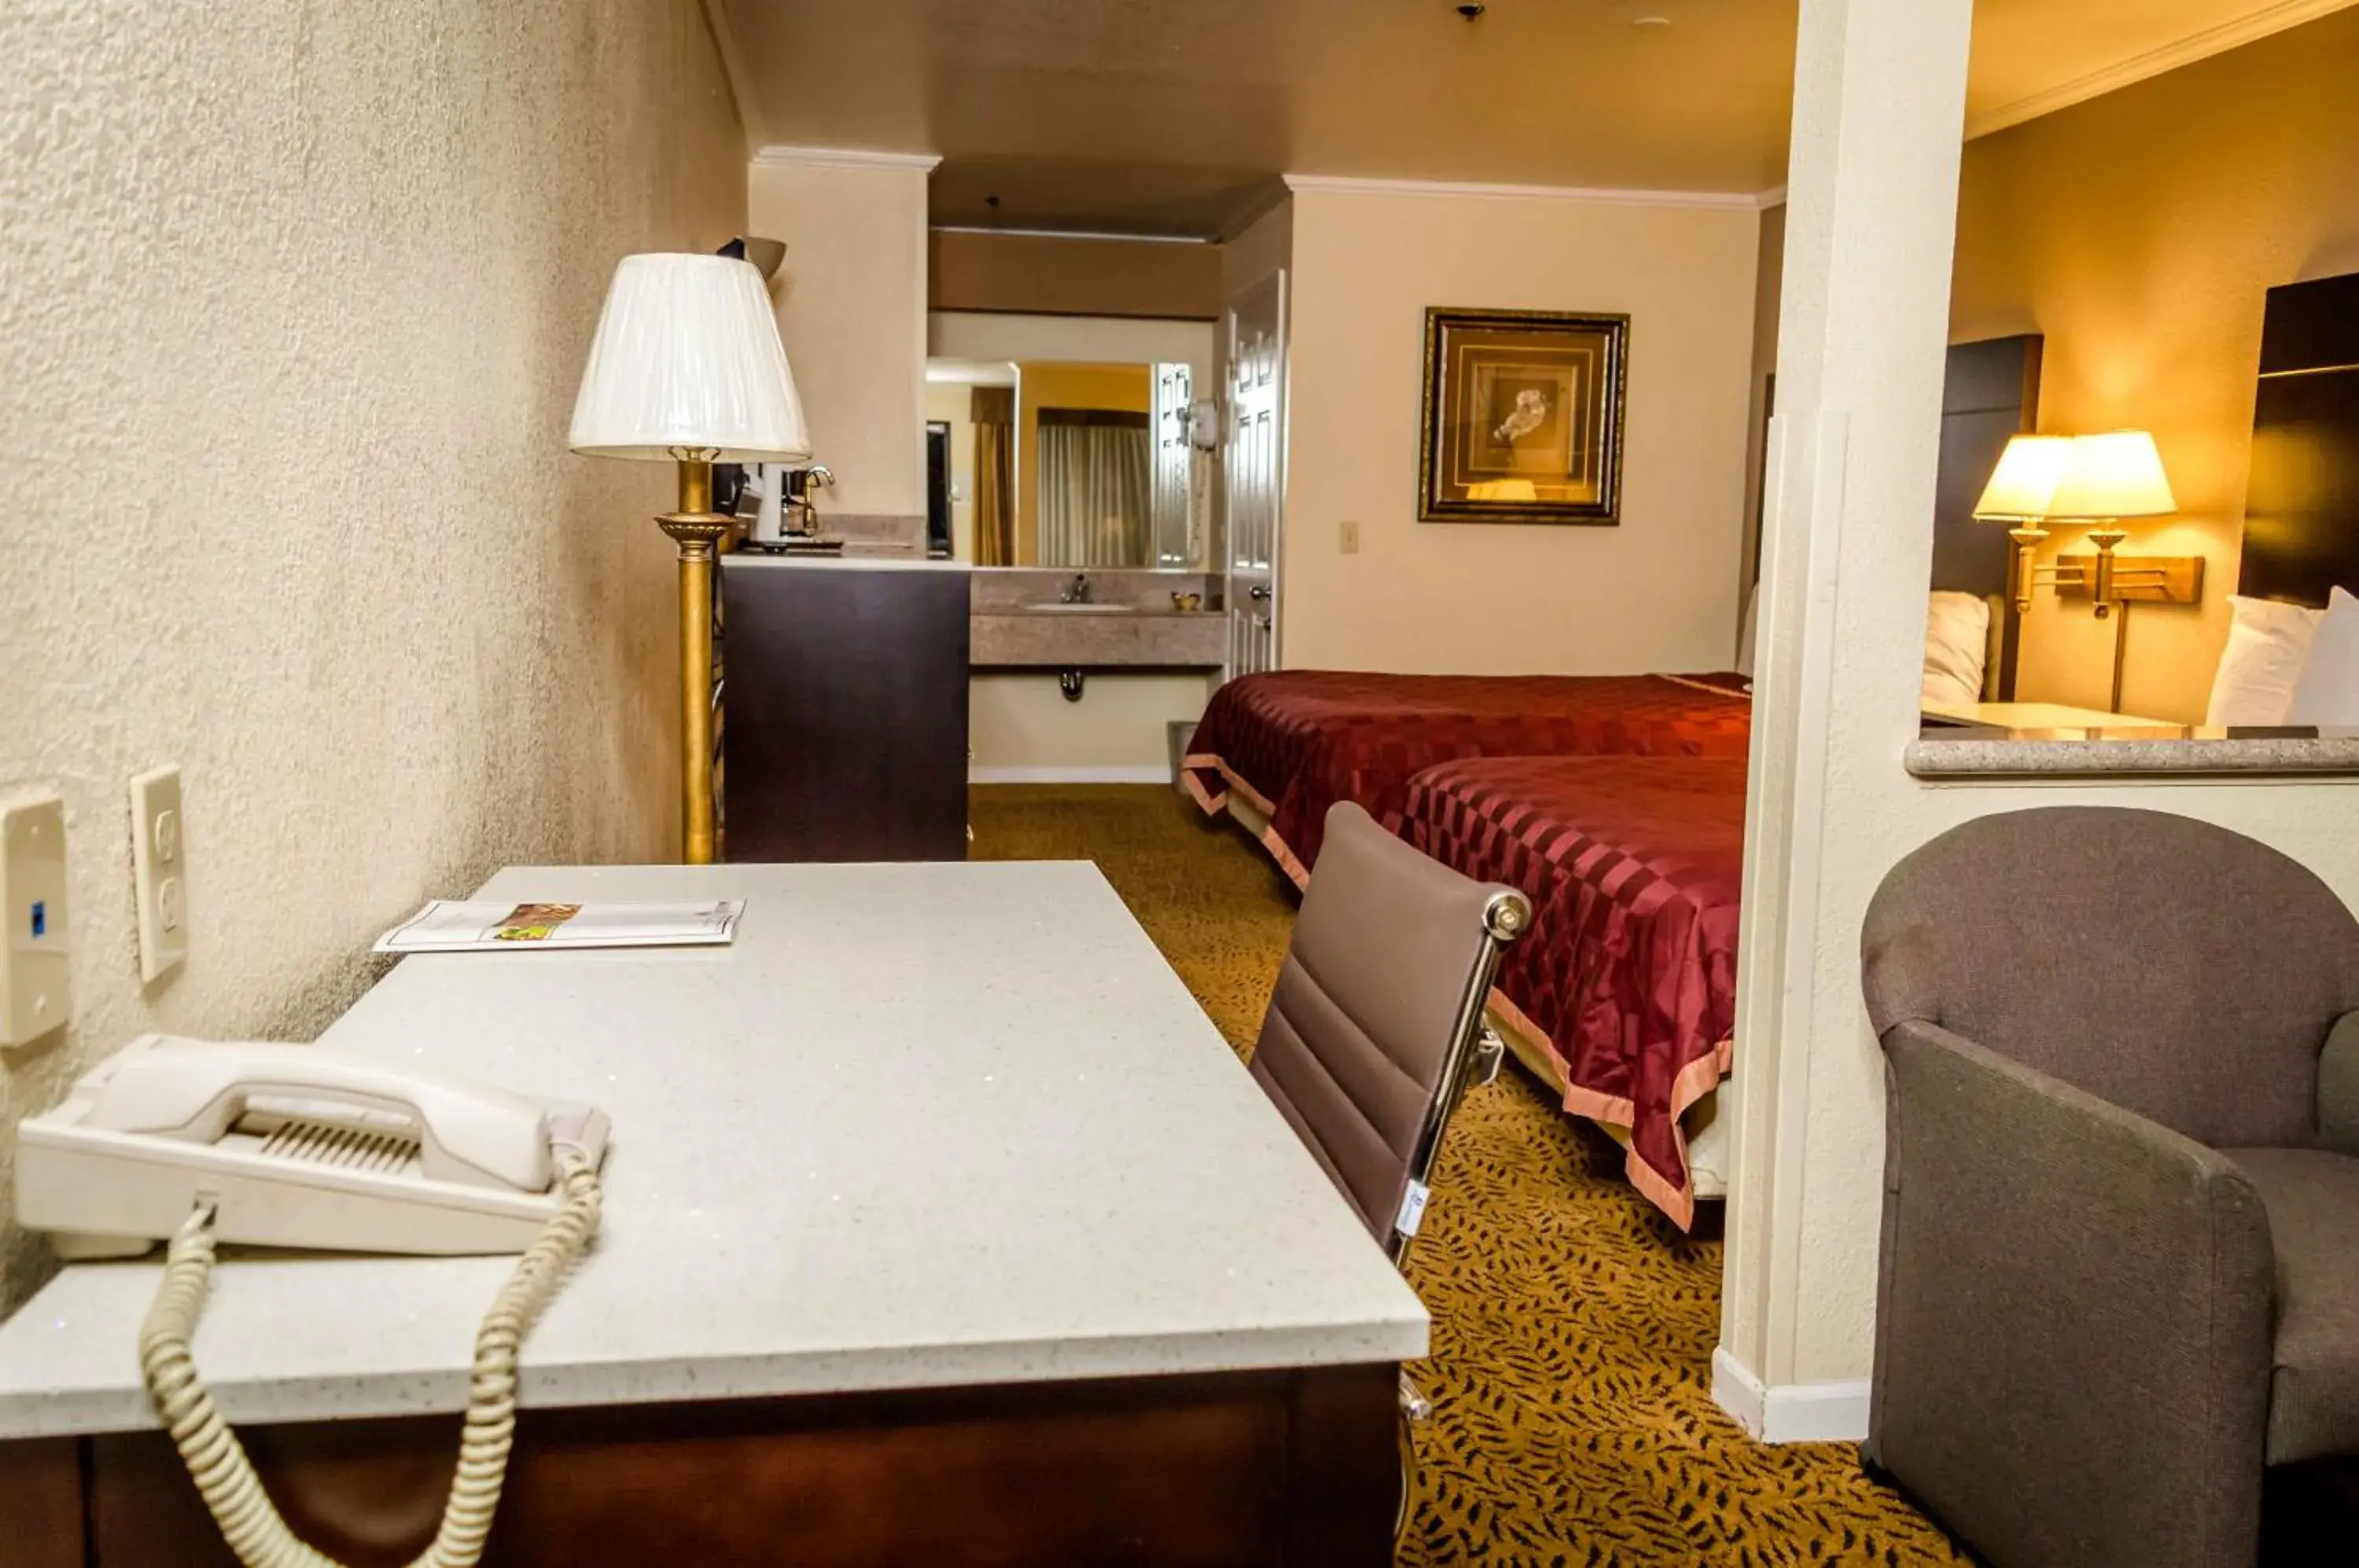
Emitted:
<point x="496" y="925"/>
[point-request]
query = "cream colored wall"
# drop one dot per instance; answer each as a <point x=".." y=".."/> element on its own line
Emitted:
<point x="2139" y="232"/>
<point x="1768" y="275"/>
<point x="954" y="405"/>
<point x="293" y="332"/>
<point x="1657" y="593"/>
<point x="1023" y="729"/>
<point x="852" y="308"/>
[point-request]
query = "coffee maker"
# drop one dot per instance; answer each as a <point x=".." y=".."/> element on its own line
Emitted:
<point x="778" y="503"/>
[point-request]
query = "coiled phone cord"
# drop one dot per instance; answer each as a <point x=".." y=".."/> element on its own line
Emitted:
<point x="217" y="1461"/>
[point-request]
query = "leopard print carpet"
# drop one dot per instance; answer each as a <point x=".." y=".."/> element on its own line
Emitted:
<point x="1573" y="1324"/>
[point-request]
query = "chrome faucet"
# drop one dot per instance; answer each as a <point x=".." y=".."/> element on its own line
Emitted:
<point x="1077" y="592"/>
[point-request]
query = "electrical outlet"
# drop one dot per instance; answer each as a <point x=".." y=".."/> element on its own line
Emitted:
<point x="1348" y="537"/>
<point x="160" y="873"/>
<point x="36" y="973"/>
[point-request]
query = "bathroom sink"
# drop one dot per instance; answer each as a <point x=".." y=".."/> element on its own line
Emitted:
<point x="1054" y="609"/>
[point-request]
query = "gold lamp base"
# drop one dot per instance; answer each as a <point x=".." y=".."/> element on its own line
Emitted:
<point x="699" y="530"/>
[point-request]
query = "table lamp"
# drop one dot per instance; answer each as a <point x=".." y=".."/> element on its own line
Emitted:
<point x="687" y="367"/>
<point x="2021" y="489"/>
<point x="2106" y="478"/>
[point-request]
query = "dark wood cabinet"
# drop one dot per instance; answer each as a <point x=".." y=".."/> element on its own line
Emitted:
<point x="845" y="710"/>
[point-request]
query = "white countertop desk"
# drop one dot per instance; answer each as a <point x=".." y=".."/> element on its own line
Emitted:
<point x="921" y="1126"/>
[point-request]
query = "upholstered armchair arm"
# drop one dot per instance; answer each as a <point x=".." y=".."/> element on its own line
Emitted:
<point x="2073" y="1338"/>
<point x="2338" y="1086"/>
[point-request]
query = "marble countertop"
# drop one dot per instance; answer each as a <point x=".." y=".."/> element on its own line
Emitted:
<point x="2128" y="748"/>
<point x="922" y="1125"/>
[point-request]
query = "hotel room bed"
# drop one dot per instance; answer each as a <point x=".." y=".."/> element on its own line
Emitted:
<point x="1289" y="744"/>
<point x="1627" y="979"/>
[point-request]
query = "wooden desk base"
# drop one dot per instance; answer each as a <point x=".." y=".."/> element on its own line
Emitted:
<point x="1279" y="1469"/>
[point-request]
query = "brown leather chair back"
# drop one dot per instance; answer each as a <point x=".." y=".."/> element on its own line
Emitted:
<point x="1374" y="1030"/>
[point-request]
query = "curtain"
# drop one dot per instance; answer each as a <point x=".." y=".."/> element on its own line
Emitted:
<point x="993" y="412"/>
<point x="1095" y="488"/>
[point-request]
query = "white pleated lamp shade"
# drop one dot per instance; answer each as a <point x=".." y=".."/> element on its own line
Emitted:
<point x="688" y="358"/>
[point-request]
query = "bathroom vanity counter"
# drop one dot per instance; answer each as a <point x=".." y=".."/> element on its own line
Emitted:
<point x="938" y="1180"/>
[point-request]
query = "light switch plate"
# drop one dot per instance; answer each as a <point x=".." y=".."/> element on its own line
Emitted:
<point x="35" y="970"/>
<point x="160" y="873"/>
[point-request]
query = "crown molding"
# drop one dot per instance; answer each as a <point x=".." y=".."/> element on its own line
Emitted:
<point x="843" y="157"/>
<point x="2197" y="46"/>
<point x="1100" y="236"/>
<point x="1352" y="185"/>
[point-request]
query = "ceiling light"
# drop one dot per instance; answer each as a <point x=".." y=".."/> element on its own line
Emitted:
<point x="1650" y="22"/>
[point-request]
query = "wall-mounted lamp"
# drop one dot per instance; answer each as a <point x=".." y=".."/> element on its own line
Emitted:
<point x="2099" y="479"/>
<point x="2020" y="490"/>
<point x="2108" y="478"/>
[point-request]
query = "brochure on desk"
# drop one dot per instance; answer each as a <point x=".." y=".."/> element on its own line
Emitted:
<point x="499" y="925"/>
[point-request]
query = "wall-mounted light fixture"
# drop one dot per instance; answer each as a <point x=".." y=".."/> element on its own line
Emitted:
<point x="2108" y="478"/>
<point x="2020" y="490"/>
<point x="2099" y="479"/>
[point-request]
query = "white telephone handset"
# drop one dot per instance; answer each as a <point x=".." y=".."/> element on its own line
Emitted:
<point x="198" y="1143"/>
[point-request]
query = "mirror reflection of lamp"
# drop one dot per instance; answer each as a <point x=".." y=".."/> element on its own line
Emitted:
<point x="2106" y="479"/>
<point x="2020" y="490"/>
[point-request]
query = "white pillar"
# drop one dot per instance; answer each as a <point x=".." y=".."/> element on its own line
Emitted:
<point x="1879" y="105"/>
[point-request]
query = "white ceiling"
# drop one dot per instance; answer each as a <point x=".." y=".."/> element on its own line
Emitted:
<point x="1175" y="116"/>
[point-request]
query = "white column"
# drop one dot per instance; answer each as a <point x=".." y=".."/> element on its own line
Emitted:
<point x="1879" y="104"/>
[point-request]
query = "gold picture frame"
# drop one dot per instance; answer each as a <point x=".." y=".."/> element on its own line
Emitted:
<point x="1523" y="416"/>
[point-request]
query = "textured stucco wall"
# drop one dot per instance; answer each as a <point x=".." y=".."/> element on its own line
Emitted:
<point x="293" y="300"/>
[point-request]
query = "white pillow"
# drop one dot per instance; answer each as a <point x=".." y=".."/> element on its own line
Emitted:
<point x="2267" y="643"/>
<point x="1957" y="637"/>
<point x="2328" y="693"/>
<point x="1750" y="632"/>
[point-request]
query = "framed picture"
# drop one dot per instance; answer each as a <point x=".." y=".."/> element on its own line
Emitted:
<point x="1523" y="416"/>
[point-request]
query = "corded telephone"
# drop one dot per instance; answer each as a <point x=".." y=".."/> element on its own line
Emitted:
<point x="196" y="1143"/>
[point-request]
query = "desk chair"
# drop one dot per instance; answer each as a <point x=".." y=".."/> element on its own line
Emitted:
<point x="1375" y="1031"/>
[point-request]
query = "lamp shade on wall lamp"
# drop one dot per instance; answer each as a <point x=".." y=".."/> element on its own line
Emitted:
<point x="2023" y="486"/>
<point x="688" y="359"/>
<point x="2118" y="474"/>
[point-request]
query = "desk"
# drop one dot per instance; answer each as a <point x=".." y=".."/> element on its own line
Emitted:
<point x="941" y="1227"/>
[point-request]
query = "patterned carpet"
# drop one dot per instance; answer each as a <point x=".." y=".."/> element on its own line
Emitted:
<point x="1573" y="1327"/>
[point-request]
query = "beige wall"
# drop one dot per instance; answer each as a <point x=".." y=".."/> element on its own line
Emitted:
<point x="1024" y="729"/>
<point x="1036" y="274"/>
<point x="1768" y="275"/>
<point x="1659" y="592"/>
<point x="852" y="308"/>
<point x="293" y="332"/>
<point x="2139" y="232"/>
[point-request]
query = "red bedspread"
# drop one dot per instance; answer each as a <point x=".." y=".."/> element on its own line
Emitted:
<point x="1629" y="971"/>
<point x="1294" y="742"/>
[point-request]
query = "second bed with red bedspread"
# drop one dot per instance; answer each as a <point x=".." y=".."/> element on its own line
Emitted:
<point x="1292" y="743"/>
<point x="1628" y="974"/>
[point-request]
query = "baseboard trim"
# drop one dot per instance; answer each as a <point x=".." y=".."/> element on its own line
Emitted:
<point x="1124" y="773"/>
<point x="1789" y="1412"/>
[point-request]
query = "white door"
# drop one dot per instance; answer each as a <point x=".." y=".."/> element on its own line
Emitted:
<point x="1255" y="465"/>
<point x="1173" y="391"/>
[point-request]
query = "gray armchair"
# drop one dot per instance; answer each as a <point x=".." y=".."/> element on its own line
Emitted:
<point x="2120" y="1266"/>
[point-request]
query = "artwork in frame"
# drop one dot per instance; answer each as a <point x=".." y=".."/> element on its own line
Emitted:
<point x="1523" y="416"/>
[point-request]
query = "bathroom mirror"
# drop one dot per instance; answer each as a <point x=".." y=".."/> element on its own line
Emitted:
<point x="1049" y="446"/>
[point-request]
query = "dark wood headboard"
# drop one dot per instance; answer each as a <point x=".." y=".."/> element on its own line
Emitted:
<point x="1991" y="391"/>
<point x="2301" y="508"/>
